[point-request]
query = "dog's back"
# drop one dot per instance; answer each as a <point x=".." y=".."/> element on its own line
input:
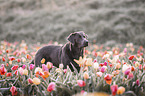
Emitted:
<point x="50" y="53"/>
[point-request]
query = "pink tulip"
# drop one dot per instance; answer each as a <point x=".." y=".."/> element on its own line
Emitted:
<point x="31" y="66"/>
<point x="81" y="83"/>
<point x="13" y="90"/>
<point x="51" y="87"/>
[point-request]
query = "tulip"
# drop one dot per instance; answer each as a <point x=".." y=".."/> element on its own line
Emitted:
<point x="18" y="60"/>
<point x="81" y="83"/>
<point x="3" y="70"/>
<point x="137" y="64"/>
<point x="108" y="78"/>
<point x="137" y="82"/>
<point x="105" y="63"/>
<point x="49" y="65"/>
<point x="31" y="66"/>
<point x="30" y="80"/>
<point x="25" y="72"/>
<point x="9" y="74"/>
<point x="114" y="89"/>
<point x="125" y="67"/>
<point x="120" y="90"/>
<point x="127" y="71"/>
<point x="99" y="74"/>
<point x="65" y="70"/>
<point x="43" y="61"/>
<point x="14" y="67"/>
<point x="81" y="61"/>
<point x="89" y="62"/>
<point x="131" y="57"/>
<point x="51" y="87"/>
<point x="16" y="72"/>
<point x="96" y="65"/>
<point x="13" y="90"/>
<point x="140" y="67"/>
<point x="23" y="59"/>
<point x="46" y="74"/>
<point x="21" y="70"/>
<point x="130" y="76"/>
<point x="11" y="58"/>
<point x="144" y="67"/>
<point x="102" y="69"/>
<point x="28" y="57"/>
<point x="86" y="75"/>
<point x="23" y="66"/>
<point x="3" y="59"/>
<point x="44" y="67"/>
<point x="36" y="80"/>
<point x="10" y="62"/>
<point x="61" y="66"/>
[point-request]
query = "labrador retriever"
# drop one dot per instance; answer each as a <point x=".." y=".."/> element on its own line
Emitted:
<point x="64" y="54"/>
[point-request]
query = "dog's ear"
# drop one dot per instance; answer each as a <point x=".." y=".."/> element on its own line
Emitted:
<point x="71" y="38"/>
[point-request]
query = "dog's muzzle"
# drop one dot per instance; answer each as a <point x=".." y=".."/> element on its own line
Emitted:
<point x="85" y="43"/>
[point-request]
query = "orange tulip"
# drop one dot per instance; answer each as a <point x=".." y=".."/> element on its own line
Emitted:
<point x="108" y="78"/>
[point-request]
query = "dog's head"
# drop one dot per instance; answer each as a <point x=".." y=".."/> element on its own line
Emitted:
<point x="78" y="39"/>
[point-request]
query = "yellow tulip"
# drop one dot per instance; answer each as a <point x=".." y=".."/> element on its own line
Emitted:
<point x="81" y="61"/>
<point x="120" y="90"/>
<point x="86" y="75"/>
<point x="36" y="81"/>
<point x="43" y="61"/>
<point x="89" y="62"/>
<point x="25" y="72"/>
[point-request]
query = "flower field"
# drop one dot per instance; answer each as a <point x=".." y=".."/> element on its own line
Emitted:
<point x="112" y="70"/>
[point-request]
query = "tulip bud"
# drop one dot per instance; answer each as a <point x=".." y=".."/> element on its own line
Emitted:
<point x="137" y="82"/>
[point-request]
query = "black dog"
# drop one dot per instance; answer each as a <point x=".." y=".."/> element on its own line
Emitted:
<point x="64" y="54"/>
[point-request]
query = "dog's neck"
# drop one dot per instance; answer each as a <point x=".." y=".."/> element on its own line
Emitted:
<point x="76" y="52"/>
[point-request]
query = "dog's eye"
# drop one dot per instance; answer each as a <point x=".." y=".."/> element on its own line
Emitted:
<point x="80" y="36"/>
<point x="84" y="36"/>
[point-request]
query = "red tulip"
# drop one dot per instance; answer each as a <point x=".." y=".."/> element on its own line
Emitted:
<point x="51" y="87"/>
<point x="108" y="78"/>
<point x="114" y="89"/>
<point x="14" y="67"/>
<point x="18" y="60"/>
<point x="131" y="57"/>
<point x="3" y="70"/>
<point x="9" y="74"/>
<point x="65" y="70"/>
<point x="3" y="59"/>
<point x="13" y="90"/>
<point x="81" y="83"/>
<point x="11" y="58"/>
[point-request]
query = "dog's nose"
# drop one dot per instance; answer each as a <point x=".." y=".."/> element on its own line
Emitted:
<point x="86" y="43"/>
